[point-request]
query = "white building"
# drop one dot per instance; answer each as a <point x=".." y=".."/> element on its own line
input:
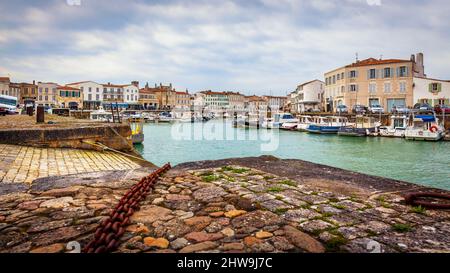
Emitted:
<point x="131" y="93"/>
<point x="47" y="94"/>
<point x="92" y="93"/>
<point x="431" y="91"/>
<point x="308" y="96"/>
<point x="211" y="100"/>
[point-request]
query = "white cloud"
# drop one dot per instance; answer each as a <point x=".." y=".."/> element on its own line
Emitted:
<point x="219" y="44"/>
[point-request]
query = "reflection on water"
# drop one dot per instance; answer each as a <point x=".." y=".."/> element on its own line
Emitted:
<point x="425" y="163"/>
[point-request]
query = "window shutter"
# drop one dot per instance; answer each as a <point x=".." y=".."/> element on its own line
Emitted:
<point x="368" y="74"/>
<point x="439" y="87"/>
<point x="356" y="88"/>
<point x="407" y="71"/>
<point x="430" y="87"/>
<point x="356" y="73"/>
<point x="398" y="72"/>
<point x="392" y="72"/>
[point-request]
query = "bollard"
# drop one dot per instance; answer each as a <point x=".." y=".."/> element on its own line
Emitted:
<point x="30" y="111"/>
<point x="40" y="114"/>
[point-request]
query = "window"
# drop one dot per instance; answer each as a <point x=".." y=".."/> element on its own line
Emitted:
<point x="441" y="101"/>
<point x="40" y="89"/>
<point x="46" y="90"/>
<point x="353" y="88"/>
<point x="372" y="73"/>
<point x="46" y="98"/>
<point x="387" y="72"/>
<point x="338" y="77"/>
<point x="90" y="89"/>
<point x="40" y="97"/>
<point x="98" y="90"/>
<point x="353" y="74"/>
<point x="403" y="87"/>
<point x="434" y="87"/>
<point x="387" y="87"/>
<point x="97" y="97"/>
<point x="372" y="88"/>
<point x="334" y="79"/>
<point x="342" y="75"/>
<point x="402" y="71"/>
<point x="89" y="96"/>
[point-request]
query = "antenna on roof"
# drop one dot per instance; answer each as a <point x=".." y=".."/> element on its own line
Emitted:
<point x="357" y="59"/>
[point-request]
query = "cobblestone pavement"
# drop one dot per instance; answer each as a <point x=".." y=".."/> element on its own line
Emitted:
<point x="226" y="209"/>
<point x="21" y="164"/>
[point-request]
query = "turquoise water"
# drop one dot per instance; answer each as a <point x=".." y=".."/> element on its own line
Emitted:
<point x="425" y="163"/>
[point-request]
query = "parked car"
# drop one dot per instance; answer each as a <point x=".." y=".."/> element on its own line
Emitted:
<point x="439" y="109"/>
<point x="423" y="107"/>
<point x="400" y="109"/>
<point x="376" y="109"/>
<point x="3" y="111"/>
<point x="342" y="109"/>
<point x="359" y="109"/>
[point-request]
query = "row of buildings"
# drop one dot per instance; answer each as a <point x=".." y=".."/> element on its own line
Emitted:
<point x="92" y="95"/>
<point x="389" y="83"/>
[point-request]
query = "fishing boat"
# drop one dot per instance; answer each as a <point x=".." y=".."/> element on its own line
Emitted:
<point x="190" y="117"/>
<point x="304" y="122"/>
<point x="396" y="128"/>
<point x="364" y="126"/>
<point x="424" y="126"/>
<point x="327" y="125"/>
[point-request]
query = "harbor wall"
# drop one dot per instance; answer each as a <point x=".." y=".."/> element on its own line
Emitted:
<point x="79" y="137"/>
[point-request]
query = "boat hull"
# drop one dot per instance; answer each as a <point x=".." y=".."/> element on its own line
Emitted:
<point x="137" y="138"/>
<point x="319" y="129"/>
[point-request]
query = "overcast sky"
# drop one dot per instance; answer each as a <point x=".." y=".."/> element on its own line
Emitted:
<point x="265" y="46"/>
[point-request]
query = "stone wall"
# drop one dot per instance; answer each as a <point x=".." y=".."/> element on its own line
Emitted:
<point x="111" y="135"/>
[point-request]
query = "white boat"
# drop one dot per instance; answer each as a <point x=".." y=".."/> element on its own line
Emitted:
<point x="148" y="117"/>
<point x="396" y="128"/>
<point x="249" y="121"/>
<point x="189" y="117"/>
<point x="304" y="122"/>
<point x="165" y="117"/>
<point x="424" y="127"/>
<point x="287" y="121"/>
<point x="101" y="115"/>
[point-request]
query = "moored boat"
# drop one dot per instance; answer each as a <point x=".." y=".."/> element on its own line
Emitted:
<point x="327" y="125"/>
<point x="424" y="126"/>
<point x="303" y="123"/>
<point x="364" y="126"/>
<point x="396" y="128"/>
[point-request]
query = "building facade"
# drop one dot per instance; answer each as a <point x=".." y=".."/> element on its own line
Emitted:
<point x="372" y="81"/>
<point x="255" y="104"/>
<point x="92" y="94"/>
<point x="4" y="85"/>
<point x="147" y="99"/>
<point x="431" y="91"/>
<point x="47" y="94"/>
<point x="69" y="97"/>
<point x="236" y="100"/>
<point x="131" y="95"/>
<point x="14" y="90"/>
<point x="183" y="100"/>
<point x="212" y="100"/>
<point x="28" y="93"/>
<point x="308" y="96"/>
<point x="275" y="103"/>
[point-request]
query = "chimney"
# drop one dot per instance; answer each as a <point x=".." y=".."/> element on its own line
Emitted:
<point x="34" y="82"/>
<point x="413" y="58"/>
<point x="419" y="66"/>
<point x="135" y="83"/>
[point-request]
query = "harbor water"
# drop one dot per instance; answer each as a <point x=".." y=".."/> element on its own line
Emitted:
<point x="424" y="163"/>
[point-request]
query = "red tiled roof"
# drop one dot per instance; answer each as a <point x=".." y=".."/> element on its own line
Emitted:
<point x="4" y="79"/>
<point x="373" y="61"/>
<point x="209" y="92"/>
<point x="67" y="88"/>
